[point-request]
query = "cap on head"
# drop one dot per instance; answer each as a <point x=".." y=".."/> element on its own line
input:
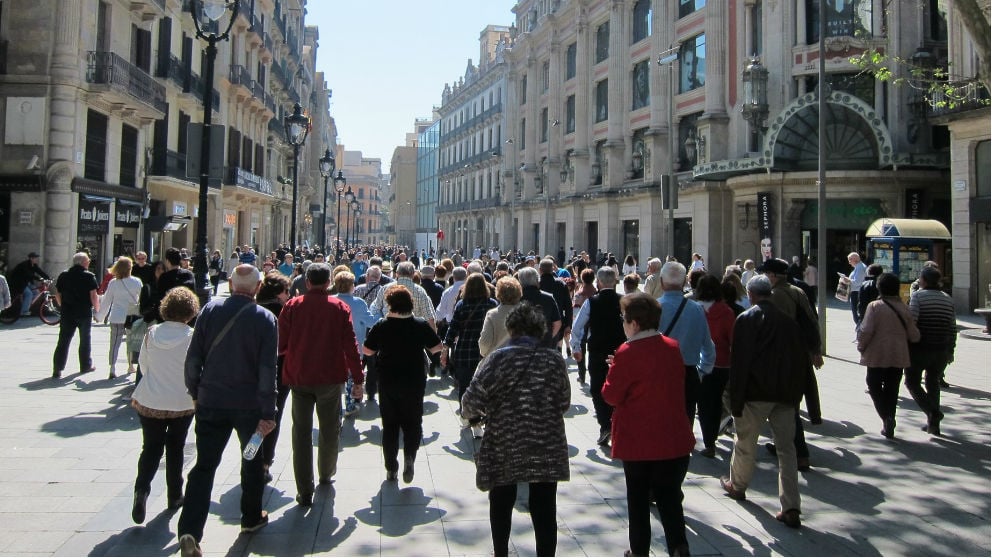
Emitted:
<point x="33" y="255"/>
<point x="775" y="265"/>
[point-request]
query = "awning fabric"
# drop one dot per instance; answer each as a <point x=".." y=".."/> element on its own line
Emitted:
<point x="908" y="228"/>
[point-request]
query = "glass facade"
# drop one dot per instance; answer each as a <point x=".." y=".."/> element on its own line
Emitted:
<point x="428" y="147"/>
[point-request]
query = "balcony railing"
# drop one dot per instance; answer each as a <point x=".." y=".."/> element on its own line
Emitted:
<point x="961" y="97"/>
<point x="469" y="205"/>
<point x="270" y="102"/>
<point x="107" y="68"/>
<point x="276" y="127"/>
<point x="171" y="163"/>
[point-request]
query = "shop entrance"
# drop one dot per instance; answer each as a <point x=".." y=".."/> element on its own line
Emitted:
<point x="840" y="243"/>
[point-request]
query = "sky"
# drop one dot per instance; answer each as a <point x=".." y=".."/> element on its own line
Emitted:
<point x="386" y="61"/>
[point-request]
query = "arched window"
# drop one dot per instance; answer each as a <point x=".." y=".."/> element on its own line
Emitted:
<point x="642" y="21"/>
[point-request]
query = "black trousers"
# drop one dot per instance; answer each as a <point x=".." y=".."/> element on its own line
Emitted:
<point x="269" y="442"/>
<point x="371" y="376"/>
<point x="67" y="329"/>
<point x="711" y="403"/>
<point x="660" y="481"/>
<point x="691" y="392"/>
<point x="401" y="411"/>
<point x="926" y="394"/>
<point x="597" y="377"/>
<point x="542" y="503"/>
<point x="883" y="387"/>
<point x="812" y="395"/>
<point x="581" y="364"/>
<point x="162" y="436"/>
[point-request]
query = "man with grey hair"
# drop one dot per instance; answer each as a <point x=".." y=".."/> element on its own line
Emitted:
<point x="764" y="386"/>
<point x="600" y="315"/>
<point x="75" y="291"/>
<point x="230" y="373"/>
<point x="530" y="284"/>
<point x="446" y="308"/>
<point x="422" y="305"/>
<point x="369" y="290"/>
<point x="652" y="284"/>
<point x="684" y="320"/>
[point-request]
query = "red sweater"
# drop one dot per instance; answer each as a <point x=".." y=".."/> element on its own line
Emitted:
<point x="318" y="341"/>
<point x="646" y="386"/>
<point x="721" y="318"/>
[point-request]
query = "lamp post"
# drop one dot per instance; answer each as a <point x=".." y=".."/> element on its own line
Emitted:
<point x="669" y="57"/>
<point x="297" y="127"/>
<point x="339" y="183"/>
<point x="755" y="102"/>
<point x="326" y="170"/>
<point x="358" y="213"/>
<point x="349" y="197"/>
<point x="210" y="11"/>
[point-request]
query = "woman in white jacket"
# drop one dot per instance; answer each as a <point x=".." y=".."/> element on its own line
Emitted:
<point x="120" y="301"/>
<point x="163" y="405"/>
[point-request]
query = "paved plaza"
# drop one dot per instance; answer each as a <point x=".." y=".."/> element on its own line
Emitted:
<point x="71" y="448"/>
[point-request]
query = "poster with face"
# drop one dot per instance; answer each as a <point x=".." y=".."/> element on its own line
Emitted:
<point x="766" y="225"/>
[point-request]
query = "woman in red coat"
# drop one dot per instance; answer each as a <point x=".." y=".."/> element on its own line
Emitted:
<point x="651" y="435"/>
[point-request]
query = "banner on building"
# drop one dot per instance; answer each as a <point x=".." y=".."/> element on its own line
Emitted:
<point x="766" y="225"/>
<point x="914" y="203"/>
<point x="127" y="214"/>
<point x="94" y="215"/>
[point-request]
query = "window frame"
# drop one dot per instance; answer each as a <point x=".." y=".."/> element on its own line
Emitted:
<point x="641" y="22"/>
<point x="645" y="67"/>
<point x="697" y="78"/>
<point x="602" y="42"/>
<point x="602" y="101"/>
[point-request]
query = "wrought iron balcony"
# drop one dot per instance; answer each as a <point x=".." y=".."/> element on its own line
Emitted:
<point x="128" y="84"/>
<point x="957" y="98"/>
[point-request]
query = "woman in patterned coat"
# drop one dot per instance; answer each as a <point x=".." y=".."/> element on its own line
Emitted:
<point x="522" y="389"/>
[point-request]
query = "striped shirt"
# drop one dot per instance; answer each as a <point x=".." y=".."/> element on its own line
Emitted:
<point x="422" y="305"/>
<point x="933" y="311"/>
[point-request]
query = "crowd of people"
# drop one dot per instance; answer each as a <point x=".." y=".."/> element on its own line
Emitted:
<point x="737" y="348"/>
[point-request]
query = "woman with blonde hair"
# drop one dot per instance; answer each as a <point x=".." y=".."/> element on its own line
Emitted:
<point x="494" y="334"/>
<point x="120" y="307"/>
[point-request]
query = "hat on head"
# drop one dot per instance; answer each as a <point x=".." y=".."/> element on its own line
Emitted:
<point x="775" y="265"/>
<point x="530" y="259"/>
<point x="386" y="267"/>
<point x="33" y="255"/>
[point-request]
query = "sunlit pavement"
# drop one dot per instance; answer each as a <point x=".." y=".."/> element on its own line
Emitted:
<point x="71" y="448"/>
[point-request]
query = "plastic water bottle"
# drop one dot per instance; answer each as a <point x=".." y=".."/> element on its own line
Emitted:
<point x="251" y="450"/>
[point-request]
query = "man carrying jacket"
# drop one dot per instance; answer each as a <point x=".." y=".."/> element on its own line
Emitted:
<point x="310" y="324"/>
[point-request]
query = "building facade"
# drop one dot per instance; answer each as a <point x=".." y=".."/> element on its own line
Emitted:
<point x="104" y="104"/>
<point x="367" y="186"/>
<point x="428" y="186"/>
<point x="470" y="152"/>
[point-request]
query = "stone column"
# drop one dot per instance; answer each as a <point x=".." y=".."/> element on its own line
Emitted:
<point x="583" y="122"/>
<point x="618" y="92"/>
<point x="533" y="126"/>
<point x="555" y="114"/>
<point x="800" y="22"/>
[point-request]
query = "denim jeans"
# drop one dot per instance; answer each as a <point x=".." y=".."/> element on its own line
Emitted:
<point x="27" y="298"/>
<point x="213" y="430"/>
<point x="162" y="436"/>
<point x="67" y="329"/>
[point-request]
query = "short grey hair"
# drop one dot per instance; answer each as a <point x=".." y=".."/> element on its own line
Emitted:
<point x="373" y="274"/>
<point x="79" y="257"/>
<point x="672" y="276"/>
<point x="405" y="269"/>
<point x="474" y="267"/>
<point x="759" y="285"/>
<point x="528" y="277"/>
<point x="459" y="273"/>
<point x="245" y="278"/>
<point x="607" y="276"/>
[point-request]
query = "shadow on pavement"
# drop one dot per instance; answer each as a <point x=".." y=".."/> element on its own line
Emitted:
<point x="154" y="539"/>
<point x="406" y="508"/>
<point x="114" y="418"/>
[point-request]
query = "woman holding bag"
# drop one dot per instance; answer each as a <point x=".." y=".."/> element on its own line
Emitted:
<point x="120" y="306"/>
<point x="883" y="341"/>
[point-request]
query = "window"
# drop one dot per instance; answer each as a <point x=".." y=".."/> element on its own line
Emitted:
<point x="523" y="90"/>
<point x="756" y="35"/>
<point x="642" y="21"/>
<point x="545" y="76"/>
<point x="692" y="64"/>
<point x="96" y="146"/>
<point x="523" y="133"/>
<point x="602" y="100"/>
<point x="570" y="56"/>
<point x="687" y="7"/>
<point x="938" y="25"/>
<point x="129" y="156"/>
<point x="861" y="86"/>
<point x="544" y="125"/>
<point x="570" y="114"/>
<point x="845" y="18"/>
<point x="602" y="42"/>
<point x="640" y="86"/>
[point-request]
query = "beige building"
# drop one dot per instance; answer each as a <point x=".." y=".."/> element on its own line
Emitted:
<point x="366" y="185"/>
<point x="103" y="102"/>
<point x="402" y="223"/>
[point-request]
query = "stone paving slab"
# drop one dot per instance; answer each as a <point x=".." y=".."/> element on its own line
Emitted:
<point x="71" y="448"/>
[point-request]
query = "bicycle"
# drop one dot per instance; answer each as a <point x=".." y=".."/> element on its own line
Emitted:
<point x="44" y="306"/>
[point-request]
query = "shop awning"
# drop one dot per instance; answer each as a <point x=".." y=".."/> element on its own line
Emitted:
<point x="908" y="228"/>
<point x="156" y="223"/>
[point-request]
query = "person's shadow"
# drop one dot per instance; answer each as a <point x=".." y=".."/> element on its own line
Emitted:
<point x="397" y="511"/>
<point x="154" y="534"/>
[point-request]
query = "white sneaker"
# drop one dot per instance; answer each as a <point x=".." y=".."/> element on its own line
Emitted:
<point x="477" y="431"/>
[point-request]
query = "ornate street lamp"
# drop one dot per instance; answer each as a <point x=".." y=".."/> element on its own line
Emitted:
<point x="297" y="127"/>
<point x="339" y="183"/>
<point x="755" y="102"/>
<point x="207" y="14"/>
<point x="326" y="170"/>
<point x="358" y="213"/>
<point x="349" y="197"/>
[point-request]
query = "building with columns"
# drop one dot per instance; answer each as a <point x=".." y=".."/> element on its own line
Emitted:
<point x="103" y="102"/>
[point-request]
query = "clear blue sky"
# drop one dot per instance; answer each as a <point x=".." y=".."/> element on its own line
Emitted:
<point x="386" y="61"/>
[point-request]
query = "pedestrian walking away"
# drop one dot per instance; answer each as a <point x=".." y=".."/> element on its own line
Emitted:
<point x="76" y="294"/>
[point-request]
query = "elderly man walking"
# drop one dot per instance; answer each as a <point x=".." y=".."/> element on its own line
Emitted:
<point x="652" y="284"/>
<point x="231" y="375"/>
<point x="423" y="307"/>
<point x="76" y="294"/>
<point x="684" y="320"/>
<point x="317" y="323"/>
<point x="765" y="386"/>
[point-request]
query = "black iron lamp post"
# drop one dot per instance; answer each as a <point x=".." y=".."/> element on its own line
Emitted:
<point x="356" y="209"/>
<point x="326" y="171"/>
<point x="339" y="183"/>
<point x="755" y="102"/>
<point x="297" y="127"/>
<point x="206" y="13"/>
<point x="349" y="197"/>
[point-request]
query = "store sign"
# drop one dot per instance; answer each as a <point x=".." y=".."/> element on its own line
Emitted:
<point x="914" y="203"/>
<point x="766" y="225"/>
<point x="230" y="219"/>
<point x="127" y="215"/>
<point x="94" y="216"/>
<point x="251" y="181"/>
<point x="179" y="208"/>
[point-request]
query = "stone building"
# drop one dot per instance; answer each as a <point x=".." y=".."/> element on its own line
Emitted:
<point x="103" y="103"/>
<point x="368" y="187"/>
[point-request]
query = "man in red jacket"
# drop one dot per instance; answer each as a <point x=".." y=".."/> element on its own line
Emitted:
<point x="308" y="324"/>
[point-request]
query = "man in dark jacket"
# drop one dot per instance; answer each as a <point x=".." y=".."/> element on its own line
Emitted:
<point x="550" y="284"/>
<point x="869" y="290"/>
<point x="767" y="352"/>
<point x="76" y="294"/>
<point x="933" y="311"/>
<point x="531" y="292"/>
<point x="599" y="320"/>
<point x="174" y="276"/>
<point x="21" y="280"/>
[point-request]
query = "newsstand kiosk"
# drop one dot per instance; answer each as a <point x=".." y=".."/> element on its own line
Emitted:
<point x="902" y="246"/>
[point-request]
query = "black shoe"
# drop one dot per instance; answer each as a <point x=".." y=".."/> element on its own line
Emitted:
<point x="138" y="509"/>
<point x="431" y="372"/>
<point x="709" y="452"/>
<point x="408" y="470"/>
<point x="944" y="384"/>
<point x="262" y="522"/>
<point x="771" y="449"/>
<point x="790" y="518"/>
<point x="889" y="427"/>
<point x="57" y="374"/>
<point x="604" y="437"/>
<point x="87" y="369"/>
<point x="176" y="503"/>
<point x="188" y="546"/>
<point x="305" y="500"/>
<point x="267" y="477"/>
